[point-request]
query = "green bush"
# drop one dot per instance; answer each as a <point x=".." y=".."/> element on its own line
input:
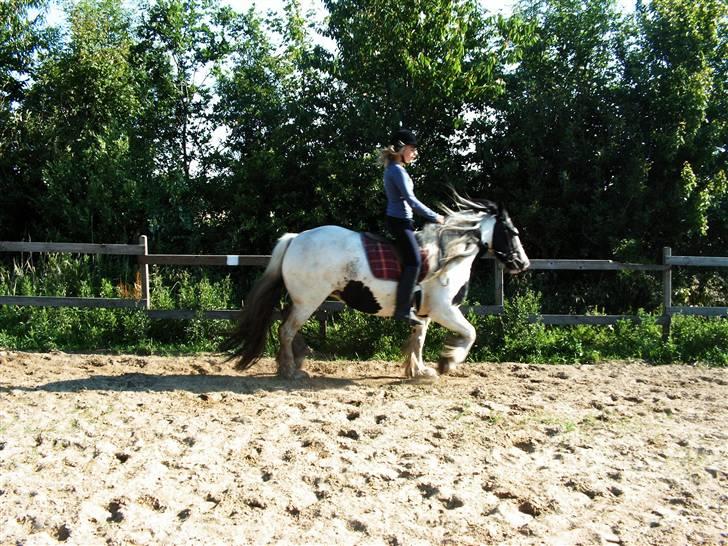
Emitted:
<point x="639" y="339"/>
<point x="524" y="340"/>
<point x="488" y="344"/>
<point x="512" y="336"/>
<point x="351" y="334"/>
<point x="698" y="339"/>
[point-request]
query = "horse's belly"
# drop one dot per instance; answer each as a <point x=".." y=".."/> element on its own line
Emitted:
<point x="359" y="296"/>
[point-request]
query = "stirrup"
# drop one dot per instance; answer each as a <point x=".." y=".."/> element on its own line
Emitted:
<point x="409" y="317"/>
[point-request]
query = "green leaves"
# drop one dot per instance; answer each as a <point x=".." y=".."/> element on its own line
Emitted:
<point x="23" y="40"/>
<point x="676" y="76"/>
<point x="210" y="129"/>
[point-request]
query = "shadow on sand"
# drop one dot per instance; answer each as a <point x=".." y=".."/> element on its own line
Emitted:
<point x="140" y="382"/>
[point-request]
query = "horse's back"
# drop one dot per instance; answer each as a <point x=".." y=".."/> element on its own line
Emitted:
<point x="326" y="255"/>
<point x="329" y="231"/>
<point x="327" y="237"/>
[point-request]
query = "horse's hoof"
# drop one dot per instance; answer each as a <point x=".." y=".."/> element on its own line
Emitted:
<point x="446" y="367"/>
<point x="426" y="375"/>
<point x="294" y="375"/>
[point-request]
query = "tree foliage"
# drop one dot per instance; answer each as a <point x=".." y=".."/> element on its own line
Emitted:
<point x="80" y="109"/>
<point x="215" y="131"/>
<point x="22" y="40"/>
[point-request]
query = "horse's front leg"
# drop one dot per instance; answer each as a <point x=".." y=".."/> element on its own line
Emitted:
<point x="459" y="343"/>
<point x="414" y="366"/>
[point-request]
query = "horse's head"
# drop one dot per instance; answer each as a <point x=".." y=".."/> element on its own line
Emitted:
<point x="500" y="236"/>
<point x="494" y="228"/>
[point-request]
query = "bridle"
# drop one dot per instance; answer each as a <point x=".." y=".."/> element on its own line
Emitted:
<point x="496" y="228"/>
<point x="504" y="232"/>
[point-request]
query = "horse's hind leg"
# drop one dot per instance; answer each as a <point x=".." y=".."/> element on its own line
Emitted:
<point x="293" y="349"/>
<point x="459" y="343"/>
<point x="299" y="346"/>
<point x="300" y="350"/>
<point x="414" y="366"/>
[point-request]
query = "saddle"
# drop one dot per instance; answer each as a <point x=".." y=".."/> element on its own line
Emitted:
<point x="384" y="260"/>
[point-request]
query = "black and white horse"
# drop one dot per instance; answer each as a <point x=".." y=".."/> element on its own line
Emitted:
<point x="327" y="260"/>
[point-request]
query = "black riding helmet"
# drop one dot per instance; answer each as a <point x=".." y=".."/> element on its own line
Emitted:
<point x="403" y="137"/>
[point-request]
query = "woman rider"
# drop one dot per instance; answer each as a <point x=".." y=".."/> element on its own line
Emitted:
<point x="401" y="202"/>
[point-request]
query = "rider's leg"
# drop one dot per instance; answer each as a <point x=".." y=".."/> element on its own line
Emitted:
<point x="405" y="291"/>
<point x="404" y="239"/>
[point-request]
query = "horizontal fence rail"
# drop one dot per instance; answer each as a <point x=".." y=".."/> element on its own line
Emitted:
<point x="592" y="265"/>
<point x="72" y="248"/>
<point x="704" y="311"/>
<point x="52" y="301"/>
<point x="144" y="260"/>
<point x="686" y="261"/>
<point x="139" y="250"/>
<point x="594" y="320"/>
<point x="207" y="259"/>
<point x="697" y="261"/>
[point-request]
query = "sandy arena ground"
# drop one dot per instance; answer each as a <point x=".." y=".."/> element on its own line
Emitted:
<point x="98" y="449"/>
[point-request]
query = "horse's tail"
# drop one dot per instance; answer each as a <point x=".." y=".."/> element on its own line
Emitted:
<point x="247" y="340"/>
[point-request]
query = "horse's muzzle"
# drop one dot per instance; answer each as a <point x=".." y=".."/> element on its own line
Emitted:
<point x="517" y="264"/>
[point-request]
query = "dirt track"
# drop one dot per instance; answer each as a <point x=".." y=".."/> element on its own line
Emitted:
<point x="149" y="450"/>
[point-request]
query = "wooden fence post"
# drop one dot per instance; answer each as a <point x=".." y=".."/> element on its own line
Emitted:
<point x="498" y="271"/>
<point x="144" y="269"/>
<point x="666" y="292"/>
<point x="323" y="326"/>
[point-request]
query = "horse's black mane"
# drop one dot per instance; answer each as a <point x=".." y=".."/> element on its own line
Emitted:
<point x="459" y="236"/>
<point x="474" y="203"/>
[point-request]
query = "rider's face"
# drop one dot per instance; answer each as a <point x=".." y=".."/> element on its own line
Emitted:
<point x="409" y="154"/>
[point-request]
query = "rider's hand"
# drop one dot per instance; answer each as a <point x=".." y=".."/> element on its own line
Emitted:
<point x="440" y="219"/>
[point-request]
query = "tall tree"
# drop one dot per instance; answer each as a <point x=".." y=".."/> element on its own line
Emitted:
<point x="79" y="112"/>
<point x="253" y="110"/>
<point x="676" y="84"/>
<point x="22" y="39"/>
<point x="180" y="42"/>
<point x="432" y="67"/>
<point x="555" y="139"/>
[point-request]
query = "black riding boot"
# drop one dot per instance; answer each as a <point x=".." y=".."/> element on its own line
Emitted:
<point x="405" y="289"/>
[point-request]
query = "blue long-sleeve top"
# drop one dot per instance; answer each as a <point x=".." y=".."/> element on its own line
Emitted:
<point x="401" y="200"/>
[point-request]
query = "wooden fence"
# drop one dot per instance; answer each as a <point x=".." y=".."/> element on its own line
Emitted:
<point x="144" y="260"/>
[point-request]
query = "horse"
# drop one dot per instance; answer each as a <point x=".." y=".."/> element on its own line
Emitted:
<point x="330" y="260"/>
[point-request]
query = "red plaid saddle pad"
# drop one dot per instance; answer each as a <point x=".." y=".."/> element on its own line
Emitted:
<point x="384" y="261"/>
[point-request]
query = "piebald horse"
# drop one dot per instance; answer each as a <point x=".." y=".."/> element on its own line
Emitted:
<point x="314" y="264"/>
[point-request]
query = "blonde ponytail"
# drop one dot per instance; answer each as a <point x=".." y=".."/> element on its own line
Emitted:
<point x="389" y="154"/>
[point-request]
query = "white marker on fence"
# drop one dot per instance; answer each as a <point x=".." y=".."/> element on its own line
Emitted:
<point x="232" y="260"/>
